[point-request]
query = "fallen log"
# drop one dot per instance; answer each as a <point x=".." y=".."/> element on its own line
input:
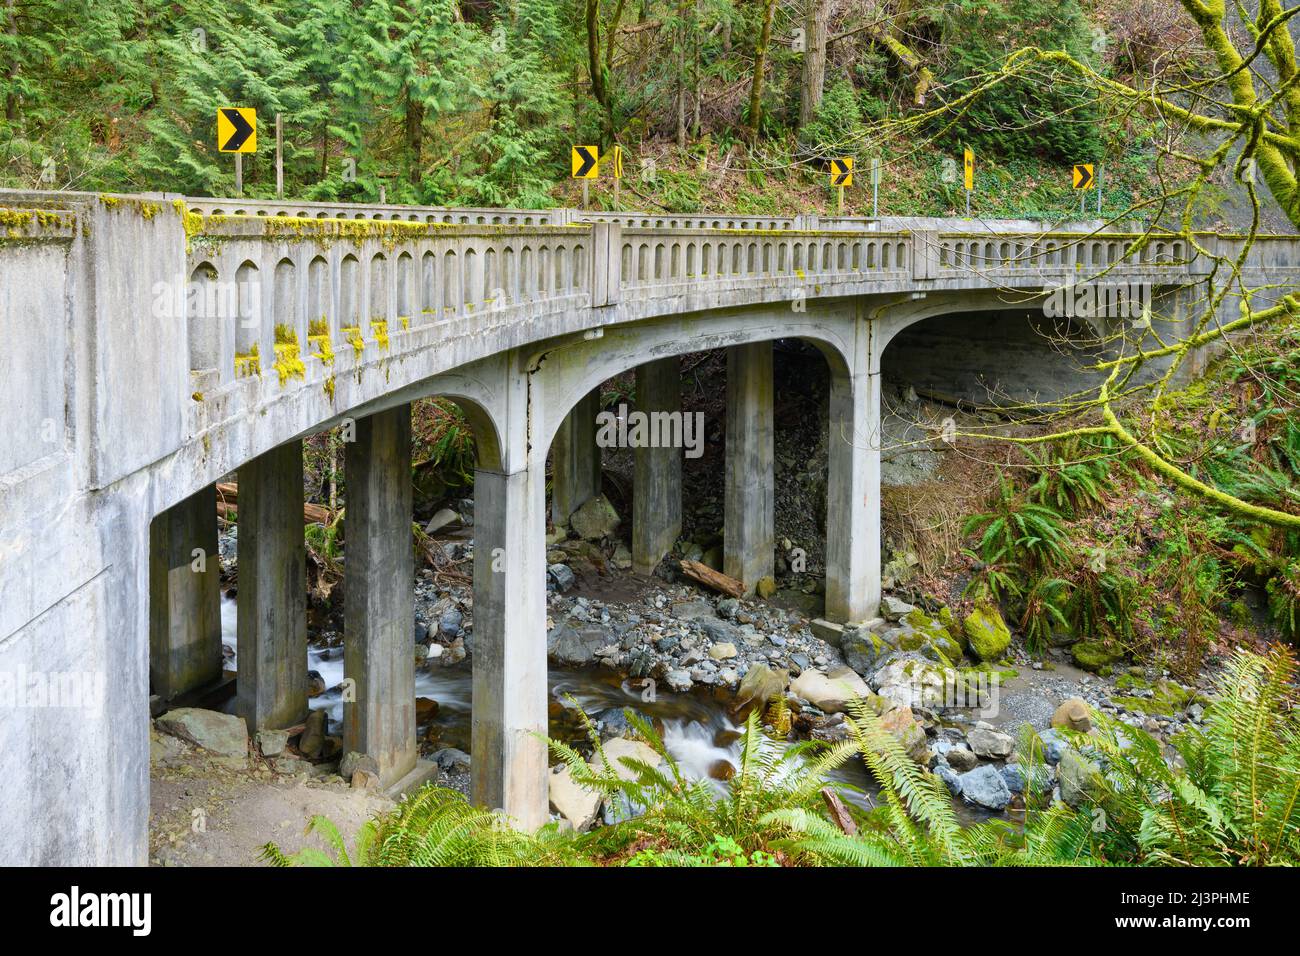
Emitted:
<point x="839" y="812"/>
<point x="716" y="580"/>
<point x="228" y="501"/>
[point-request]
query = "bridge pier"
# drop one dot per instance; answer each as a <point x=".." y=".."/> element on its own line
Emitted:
<point x="185" y="596"/>
<point x="379" y="594"/>
<point x="657" y="472"/>
<point x="272" y="688"/>
<point x="853" y="485"/>
<point x="748" y="499"/>
<point x="575" y="459"/>
<point x="509" y="767"/>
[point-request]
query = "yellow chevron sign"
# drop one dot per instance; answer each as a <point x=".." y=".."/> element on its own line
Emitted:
<point x="842" y="171"/>
<point x="237" y="129"/>
<point x="585" y="162"/>
<point x="1084" y="178"/>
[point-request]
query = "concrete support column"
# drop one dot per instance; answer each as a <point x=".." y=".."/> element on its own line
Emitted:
<point x="853" y="482"/>
<point x="379" y="594"/>
<point x="509" y="768"/>
<point x="749" y="533"/>
<point x="185" y="596"/>
<point x="272" y="590"/>
<point x="575" y="459"/>
<point x="657" y="476"/>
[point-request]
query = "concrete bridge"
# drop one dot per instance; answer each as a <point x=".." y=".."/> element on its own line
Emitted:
<point x="151" y="344"/>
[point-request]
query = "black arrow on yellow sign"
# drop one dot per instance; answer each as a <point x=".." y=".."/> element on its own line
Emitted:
<point x="236" y="130"/>
<point x="1083" y="176"/>
<point x="585" y="162"/>
<point x="842" y="171"/>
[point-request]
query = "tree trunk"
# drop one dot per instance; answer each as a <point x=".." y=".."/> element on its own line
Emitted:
<point x="760" y="64"/>
<point x="414" y="138"/>
<point x="11" y="72"/>
<point x="814" y="60"/>
<point x="681" y="74"/>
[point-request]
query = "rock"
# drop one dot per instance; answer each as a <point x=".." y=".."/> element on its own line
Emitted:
<point x="719" y="632"/>
<point x="315" y="684"/>
<point x="271" y="743"/>
<point x="678" y="680"/>
<point x="290" y="766"/>
<point x="893" y="609"/>
<point x="622" y="558"/>
<point x="765" y="586"/>
<point x="910" y="680"/>
<point x="759" y="685"/>
<point x="596" y="519"/>
<point x="1081" y="781"/>
<point x="722" y="652"/>
<point x="441" y="519"/>
<point x="990" y="744"/>
<point x="619" y="749"/>
<point x="426" y="708"/>
<point x="1096" y="656"/>
<point x="984" y="787"/>
<point x="830" y="693"/>
<point x="562" y="575"/>
<point x="312" y="741"/>
<point x="362" y="779"/>
<point x="223" y="734"/>
<point x="578" y="804"/>
<point x="353" y="761"/>
<point x="961" y="759"/>
<point x="907" y="730"/>
<point x="450" y="759"/>
<point x="449" y="623"/>
<point x="827" y="631"/>
<point x="1073" y="715"/>
<point x="863" y="650"/>
<point x="566" y="644"/>
<point x="1055" y="746"/>
<point x="949" y="777"/>
<point x="721" y="770"/>
<point x="986" y="632"/>
<point x="693" y="610"/>
<point x="165" y="750"/>
<point x="1014" y="775"/>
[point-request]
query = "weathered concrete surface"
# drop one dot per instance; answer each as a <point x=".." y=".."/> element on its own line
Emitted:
<point x="509" y="690"/>
<point x="575" y="459"/>
<point x="379" y="594"/>
<point x="748" y="492"/>
<point x="184" y="596"/>
<point x="272" y="687"/>
<point x="657" y="472"/>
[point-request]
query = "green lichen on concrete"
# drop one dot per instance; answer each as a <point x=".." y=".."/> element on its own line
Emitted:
<point x="248" y="363"/>
<point x="329" y="388"/>
<point x="288" y="356"/>
<point x="353" y="334"/>
<point x="18" y="223"/>
<point x="379" y="328"/>
<point x="191" y="222"/>
<point x="405" y="321"/>
<point x="986" y="633"/>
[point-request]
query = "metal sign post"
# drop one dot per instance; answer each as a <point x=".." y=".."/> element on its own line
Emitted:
<point x="875" y="187"/>
<point x="279" y="156"/>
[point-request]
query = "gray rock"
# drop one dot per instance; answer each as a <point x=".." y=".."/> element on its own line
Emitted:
<point x="566" y="644"/>
<point x="894" y="609"/>
<point x="449" y="759"/>
<point x="271" y="743"/>
<point x="678" y="680"/>
<point x="1080" y="779"/>
<point x="223" y="734"/>
<point x="961" y="759"/>
<point x="1014" y="774"/>
<point x="450" y="622"/>
<point x="1055" y="746"/>
<point x="984" y="787"/>
<point x="863" y="650"/>
<point x="949" y="777"/>
<point x="562" y="575"/>
<point x="991" y="744"/>
<point x="353" y="761"/>
<point x="596" y="519"/>
<point x="720" y="632"/>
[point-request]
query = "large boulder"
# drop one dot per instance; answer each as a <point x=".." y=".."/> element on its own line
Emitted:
<point x="619" y="749"/>
<point x="910" y="680"/>
<point x="759" y="685"/>
<point x="1096" y="656"/>
<point x="863" y="650"/>
<point x="223" y="734"/>
<point x="1073" y="714"/>
<point x="830" y="693"/>
<point x="566" y="644"/>
<point x="596" y="519"/>
<point x="986" y="633"/>
<point x="909" y="732"/>
<point x="1081" y="780"/>
<point x="990" y="744"/>
<point x="578" y="804"/>
<point x="984" y="787"/>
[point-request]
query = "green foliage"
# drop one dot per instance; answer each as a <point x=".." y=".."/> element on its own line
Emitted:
<point x="1050" y="114"/>
<point x="443" y="440"/>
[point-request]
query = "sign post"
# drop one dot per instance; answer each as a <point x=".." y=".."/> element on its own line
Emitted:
<point x="279" y="155"/>
<point x="842" y="176"/>
<point x="585" y="165"/>
<point x="968" y="174"/>
<point x="237" y="133"/>
<point x="875" y="187"/>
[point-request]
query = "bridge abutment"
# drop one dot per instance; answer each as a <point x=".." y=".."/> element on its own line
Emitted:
<point x="379" y="594"/>
<point x="657" y="472"/>
<point x="185" y="597"/>
<point x="748" y="498"/>
<point x="272" y="688"/>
